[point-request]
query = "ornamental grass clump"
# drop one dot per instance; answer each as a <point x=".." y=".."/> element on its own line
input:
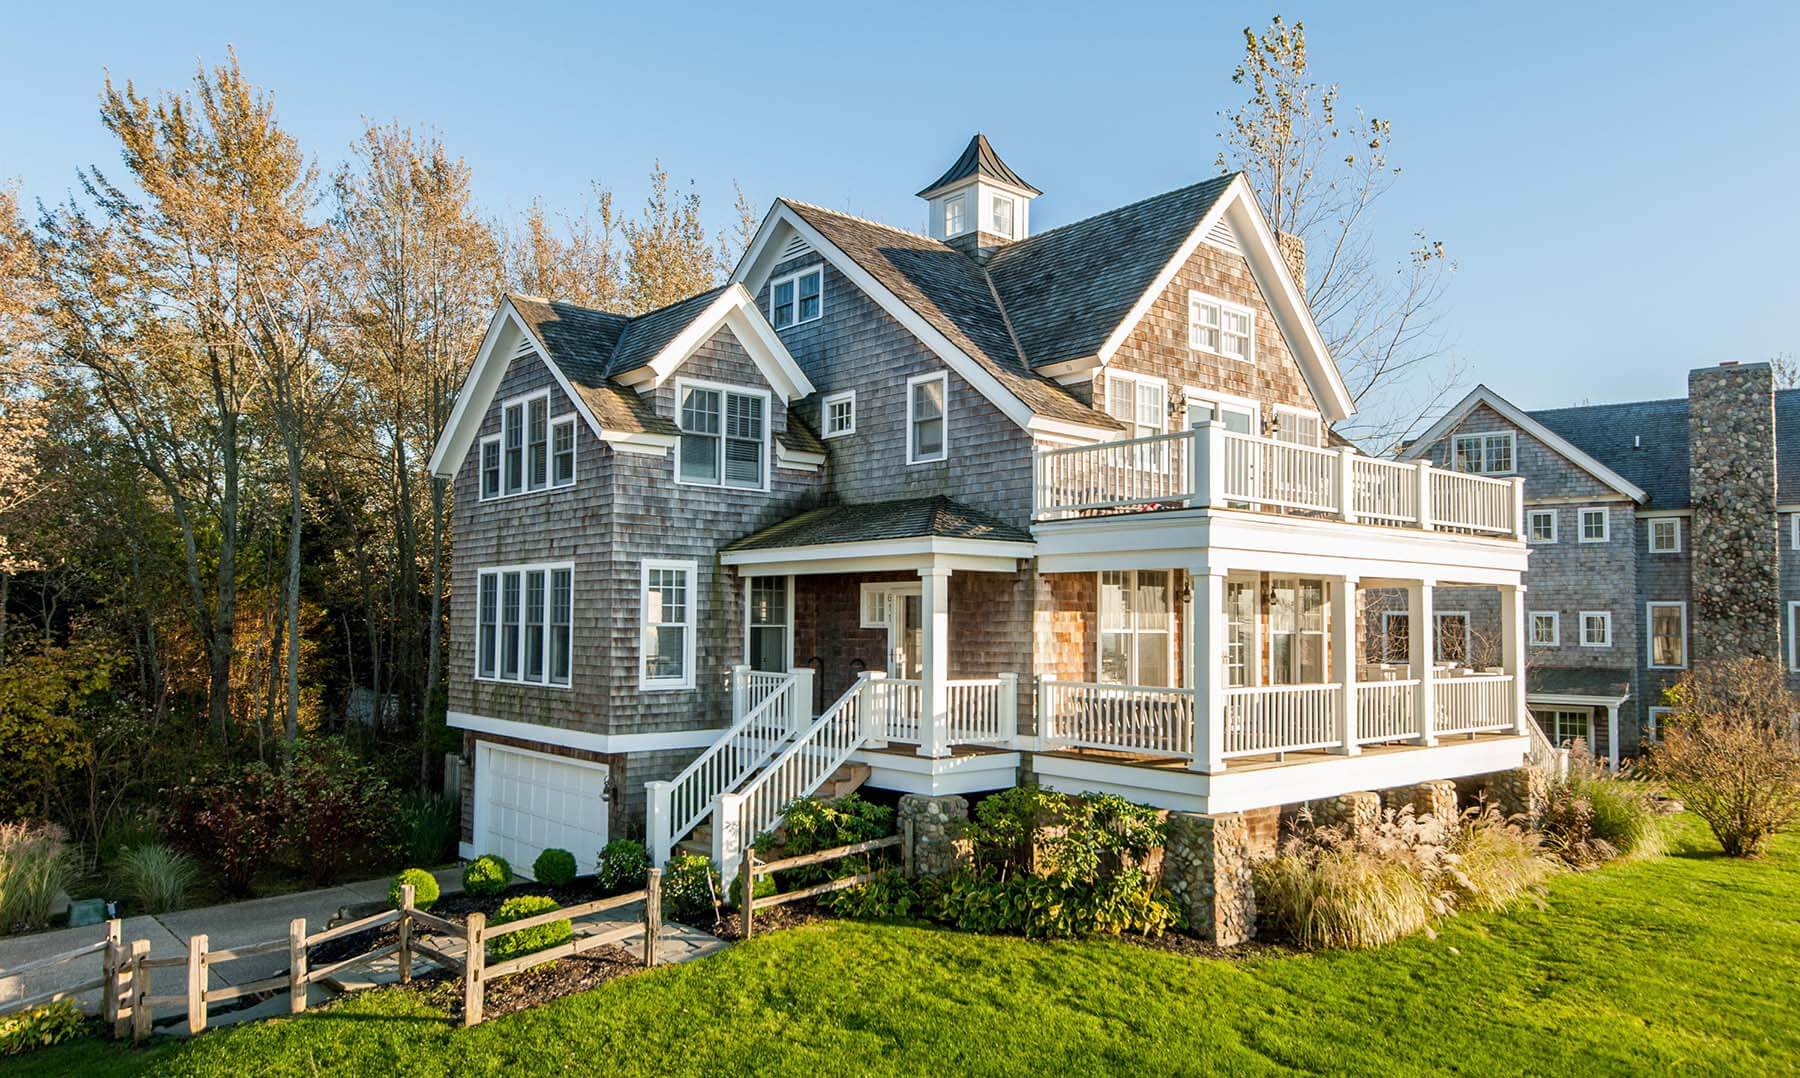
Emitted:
<point x="1345" y="887"/>
<point x="35" y="868"/>
<point x="529" y="940"/>
<point x="1497" y="861"/>
<point x="155" y="878"/>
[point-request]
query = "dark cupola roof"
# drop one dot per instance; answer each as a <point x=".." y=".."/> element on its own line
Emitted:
<point x="978" y="159"/>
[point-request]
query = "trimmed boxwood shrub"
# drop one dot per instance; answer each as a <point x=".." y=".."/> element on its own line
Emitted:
<point x="554" y="867"/>
<point x="424" y="885"/>
<point x="624" y="866"/>
<point x="486" y="875"/>
<point x="518" y="908"/>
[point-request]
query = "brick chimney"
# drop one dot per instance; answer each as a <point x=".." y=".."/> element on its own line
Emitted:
<point x="1736" y="535"/>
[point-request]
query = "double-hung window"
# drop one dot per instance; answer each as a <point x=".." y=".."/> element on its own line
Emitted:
<point x="797" y="297"/>
<point x="490" y="467"/>
<point x="927" y="418"/>
<point x="1665" y="535"/>
<point x="512" y="422"/>
<point x="532" y="450"/>
<point x="1297" y="631"/>
<point x="667" y="627"/>
<point x="1138" y="402"/>
<point x="954" y="216"/>
<point x="1668" y="634"/>
<point x="1594" y="527"/>
<point x="724" y="437"/>
<point x="1136" y="619"/>
<point x="562" y="452"/>
<point x="768" y="623"/>
<point x="1001" y="219"/>
<point x="523" y="621"/>
<point x="1219" y="327"/>
<point x="1483" y="454"/>
<point x="1540" y="526"/>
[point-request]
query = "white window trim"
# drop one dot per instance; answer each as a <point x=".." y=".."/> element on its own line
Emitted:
<point x="1253" y="669"/>
<point x="1793" y="638"/>
<point x="1555" y="629"/>
<point x="768" y="425"/>
<point x="550" y="423"/>
<point x="1650" y="609"/>
<point x="1304" y="413"/>
<point x="1605" y="524"/>
<point x="1228" y="401"/>
<point x="1117" y="380"/>
<point x="1530" y="534"/>
<point x="1012" y="205"/>
<point x="574" y="451"/>
<point x="1650" y="538"/>
<point x="962" y="205"/>
<point x="818" y="269"/>
<point x="481" y="492"/>
<point x="825" y="414"/>
<point x="1605" y="617"/>
<point x="547" y="568"/>
<point x="646" y="683"/>
<point x="1512" y="451"/>
<point x="788" y="625"/>
<point x="1224" y="305"/>
<point x="1387" y="634"/>
<point x="944" y="448"/>
<point x="1657" y="715"/>
<point x="1794" y="529"/>
<point x="1134" y="631"/>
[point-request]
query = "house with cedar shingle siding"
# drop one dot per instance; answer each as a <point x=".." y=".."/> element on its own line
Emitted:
<point x="931" y="511"/>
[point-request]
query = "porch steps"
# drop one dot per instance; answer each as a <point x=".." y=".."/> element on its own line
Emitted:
<point x="844" y="780"/>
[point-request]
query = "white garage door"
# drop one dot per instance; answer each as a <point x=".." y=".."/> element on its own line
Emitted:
<point x="528" y="802"/>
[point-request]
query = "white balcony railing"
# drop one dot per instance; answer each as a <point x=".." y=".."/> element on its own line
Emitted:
<point x="1120" y="718"/>
<point x="1467" y="705"/>
<point x="982" y="711"/>
<point x="1387" y="711"/>
<point x="1209" y="466"/>
<point x="1282" y="718"/>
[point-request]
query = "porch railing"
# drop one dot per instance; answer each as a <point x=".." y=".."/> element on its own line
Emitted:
<point x="1475" y="703"/>
<point x="1120" y="718"/>
<point x="1387" y="711"/>
<point x="893" y="708"/>
<point x="1282" y="718"/>
<point x="1210" y="466"/>
<point x="982" y="711"/>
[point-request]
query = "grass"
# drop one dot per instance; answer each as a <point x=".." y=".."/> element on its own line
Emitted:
<point x="1682" y="963"/>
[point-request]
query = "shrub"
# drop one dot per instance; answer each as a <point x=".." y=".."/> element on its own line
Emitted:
<point x="890" y="896"/>
<point x="690" y="887"/>
<point x="424" y="885"/>
<point x="487" y="875"/>
<point x="554" y="867"/>
<point x="155" y="878"/>
<point x="335" y="810"/>
<point x="810" y="825"/>
<point x="35" y="868"/>
<point x="1731" y="752"/>
<point x="227" y="817"/>
<point x="39" y="1027"/>
<point x="1496" y="860"/>
<point x="624" y="866"/>
<point x="1568" y="827"/>
<point x="1622" y="814"/>
<point x="429" y="825"/>
<point x="518" y="908"/>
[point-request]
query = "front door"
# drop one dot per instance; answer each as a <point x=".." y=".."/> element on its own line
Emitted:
<point x="906" y="635"/>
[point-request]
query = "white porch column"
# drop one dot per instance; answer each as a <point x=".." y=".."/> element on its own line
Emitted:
<point x="1612" y="737"/>
<point x="1344" y="656"/>
<point x="657" y="822"/>
<point x="1512" y="650"/>
<point x="1203" y="665"/>
<point x="934" y="667"/>
<point x="1421" y="652"/>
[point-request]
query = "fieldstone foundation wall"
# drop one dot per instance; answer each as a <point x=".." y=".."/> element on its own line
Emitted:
<point x="1357" y="813"/>
<point x="1736" y="576"/>
<point x="1206" y="866"/>
<point x="937" y="825"/>
<point x="1523" y="791"/>
<point x="1427" y="799"/>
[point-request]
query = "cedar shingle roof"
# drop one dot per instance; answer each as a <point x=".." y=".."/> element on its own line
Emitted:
<point x="978" y="159"/>
<point x="650" y="333"/>
<point x="799" y="437"/>
<point x="936" y="517"/>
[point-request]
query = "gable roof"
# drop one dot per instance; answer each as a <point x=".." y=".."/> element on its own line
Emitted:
<point x="1576" y="455"/>
<point x="978" y="159"/>
<point x="936" y="517"/>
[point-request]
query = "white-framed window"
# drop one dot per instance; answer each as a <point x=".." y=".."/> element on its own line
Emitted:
<point x="490" y="467"/>
<point x="562" y="451"/>
<point x="1242" y="631"/>
<point x="1793" y="636"/>
<point x="1665" y="535"/>
<point x="666" y="637"/>
<point x="1298" y="426"/>
<point x="1794" y="530"/>
<point x="769" y="623"/>
<point x="840" y="414"/>
<point x="1546" y="629"/>
<point x="532" y="452"/>
<point x="1656" y="723"/>
<point x="1241" y="415"/>
<point x="927" y="418"/>
<point x="1596" y="629"/>
<point x="1667" y="635"/>
<point x="1297" y="631"/>
<point x="1540" y="526"/>
<point x="955" y="216"/>
<point x="1000" y="216"/>
<point x="1563" y="725"/>
<point x="524" y="618"/>
<point x="797" y="297"/>
<point x="1139" y="401"/>
<point x="1594" y="525"/>
<point x="1220" y="327"/>
<point x="724" y="436"/>
<point x="1137" y="621"/>
<point x="1483" y="454"/>
<point x="1396" y="637"/>
<point x="1455" y="636"/>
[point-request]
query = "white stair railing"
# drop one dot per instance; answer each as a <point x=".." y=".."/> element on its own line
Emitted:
<point x="677" y="806"/>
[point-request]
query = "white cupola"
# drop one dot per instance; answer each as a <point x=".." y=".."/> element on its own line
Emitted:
<point x="978" y="197"/>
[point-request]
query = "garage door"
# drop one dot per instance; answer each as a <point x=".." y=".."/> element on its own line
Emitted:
<point x="527" y="802"/>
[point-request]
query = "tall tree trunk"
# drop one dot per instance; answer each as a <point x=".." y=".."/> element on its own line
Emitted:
<point x="293" y="588"/>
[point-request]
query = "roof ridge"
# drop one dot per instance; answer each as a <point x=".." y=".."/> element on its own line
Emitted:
<point x="1006" y="251"/>
<point x="1608" y="404"/>
<point x="864" y="220"/>
<point x="669" y="306"/>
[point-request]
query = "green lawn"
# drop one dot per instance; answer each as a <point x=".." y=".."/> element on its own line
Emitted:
<point x="1690" y="962"/>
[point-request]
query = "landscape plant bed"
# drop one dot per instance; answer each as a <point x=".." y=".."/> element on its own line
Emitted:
<point x="452" y="907"/>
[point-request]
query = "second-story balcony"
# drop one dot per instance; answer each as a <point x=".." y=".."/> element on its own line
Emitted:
<point x="1210" y="467"/>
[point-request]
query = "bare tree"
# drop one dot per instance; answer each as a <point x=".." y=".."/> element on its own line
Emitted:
<point x="578" y="262"/>
<point x="668" y="257"/>
<point x="1318" y="172"/>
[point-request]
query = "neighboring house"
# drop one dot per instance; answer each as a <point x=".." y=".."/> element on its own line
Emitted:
<point x="941" y="510"/>
<point x="1662" y="533"/>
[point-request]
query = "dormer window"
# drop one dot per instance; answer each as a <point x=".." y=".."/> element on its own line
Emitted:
<point x="724" y="436"/>
<point x="796" y="298"/>
<point x="1222" y="328"/>
<point x="1001" y="223"/>
<point x="954" y="221"/>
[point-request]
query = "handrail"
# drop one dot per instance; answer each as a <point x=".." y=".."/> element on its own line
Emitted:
<point x="804" y="765"/>
<point x="738" y="752"/>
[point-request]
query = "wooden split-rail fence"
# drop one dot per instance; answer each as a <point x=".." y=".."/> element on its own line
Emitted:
<point x="749" y="903"/>
<point x="128" y="976"/>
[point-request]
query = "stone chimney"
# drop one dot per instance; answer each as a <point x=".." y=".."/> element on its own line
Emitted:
<point x="1736" y="536"/>
<point x="1293" y="248"/>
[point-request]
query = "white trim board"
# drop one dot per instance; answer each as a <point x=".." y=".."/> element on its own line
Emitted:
<point x="1512" y="414"/>
<point x="581" y="739"/>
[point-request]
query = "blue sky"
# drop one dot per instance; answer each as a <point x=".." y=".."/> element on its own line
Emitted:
<point x="1615" y="183"/>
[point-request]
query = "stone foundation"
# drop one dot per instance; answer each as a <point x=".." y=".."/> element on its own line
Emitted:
<point x="1357" y="813"/>
<point x="1206" y="866"/>
<point x="937" y="825"/>
<point x="1427" y="799"/>
<point x="1523" y="791"/>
